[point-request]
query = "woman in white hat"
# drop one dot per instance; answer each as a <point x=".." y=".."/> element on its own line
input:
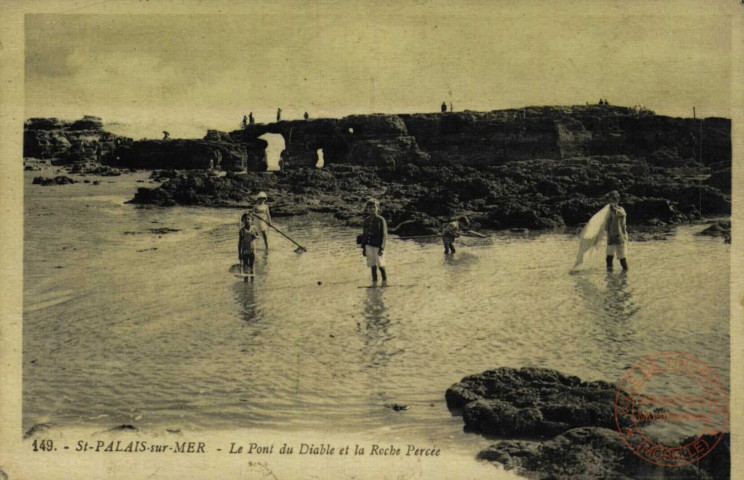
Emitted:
<point x="261" y="210"/>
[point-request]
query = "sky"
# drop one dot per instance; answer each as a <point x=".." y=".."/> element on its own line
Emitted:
<point x="187" y="73"/>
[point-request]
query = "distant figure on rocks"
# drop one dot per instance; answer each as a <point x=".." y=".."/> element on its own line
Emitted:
<point x="261" y="210"/>
<point x="166" y="135"/>
<point x="452" y="231"/>
<point x="278" y="114"/>
<point x="444" y="107"/>
<point x="306" y="116"/>
<point x="245" y="121"/>
<point x="283" y="160"/>
<point x="373" y="239"/>
<point x="246" y="246"/>
<point x="251" y="121"/>
<point x="617" y="231"/>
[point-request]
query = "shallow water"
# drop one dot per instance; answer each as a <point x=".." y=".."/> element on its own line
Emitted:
<point x="126" y="325"/>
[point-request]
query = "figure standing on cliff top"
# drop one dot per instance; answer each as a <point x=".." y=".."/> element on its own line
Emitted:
<point x="246" y="245"/>
<point x="373" y="239"/>
<point x="306" y="116"/>
<point x="617" y="231"/>
<point x="166" y="135"/>
<point x="251" y="121"/>
<point x="278" y="114"/>
<point x="261" y="211"/>
<point x="452" y="231"/>
<point x="245" y="121"/>
<point x="444" y="107"/>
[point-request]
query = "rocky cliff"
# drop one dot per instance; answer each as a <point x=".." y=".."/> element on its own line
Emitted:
<point x="483" y="139"/>
<point x="532" y="168"/>
<point x="477" y="139"/>
<point x="64" y="142"/>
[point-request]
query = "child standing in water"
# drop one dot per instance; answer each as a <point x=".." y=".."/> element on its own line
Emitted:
<point x="374" y="238"/>
<point x="261" y="210"/>
<point x="246" y="246"/>
<point x="452" y="231"/>
<point x="617" y="231"/>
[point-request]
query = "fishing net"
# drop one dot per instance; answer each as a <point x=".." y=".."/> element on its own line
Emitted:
<point x="592" y="235"/>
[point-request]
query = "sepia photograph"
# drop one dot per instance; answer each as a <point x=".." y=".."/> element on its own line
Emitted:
<point x="358" y="240"/>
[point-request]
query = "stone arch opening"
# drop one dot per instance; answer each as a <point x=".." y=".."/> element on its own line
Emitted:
<point x="276" y="146"/>
<point x="321" y="161"/>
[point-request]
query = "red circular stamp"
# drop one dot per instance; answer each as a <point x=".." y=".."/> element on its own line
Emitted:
<point x="671" y="395"/>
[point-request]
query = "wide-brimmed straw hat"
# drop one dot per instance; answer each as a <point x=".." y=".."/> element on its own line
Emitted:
<point x="261" y="195"/>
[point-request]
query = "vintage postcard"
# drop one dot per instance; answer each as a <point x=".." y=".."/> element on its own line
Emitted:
<point x="368" y="240"/>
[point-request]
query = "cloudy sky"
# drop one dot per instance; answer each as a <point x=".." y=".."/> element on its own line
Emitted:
<point x="187" y="73"/>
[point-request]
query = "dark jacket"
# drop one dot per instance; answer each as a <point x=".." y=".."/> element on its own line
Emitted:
<point x="375" y="232"/>
<point x="617" y="231"/>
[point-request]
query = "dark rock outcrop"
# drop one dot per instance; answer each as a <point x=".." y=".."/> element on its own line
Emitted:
<point x="483" y="139"/>
<point x="530" y="402"/>
<point x="590" y="453"/>
<point x="58" y="180"/>
<point x="81" y="141"/>
<point x="578" y="420"/>
<point x="533" y="168"/>
<point x="476" y="139"/>
<point x="416" y="199"/>
<point x="210" y="153"/>
<point x="721" y="228"/>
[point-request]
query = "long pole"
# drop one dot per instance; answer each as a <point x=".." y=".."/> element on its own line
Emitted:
<point x="278" y="231"/>
<point x="700" y="193"/>
<point x="419" y="236"/>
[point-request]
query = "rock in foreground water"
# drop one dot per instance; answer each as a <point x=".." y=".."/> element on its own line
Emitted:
<point x="721" y="228"/>
<point x="590" y="453"/>
<point x="577" y="417"/>
<point x="531" y="402"/>
<point x="58" y="180"/>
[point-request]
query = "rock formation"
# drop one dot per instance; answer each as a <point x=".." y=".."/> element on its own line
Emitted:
<point x="477" y="139"/>
<point x="531" y="168"/>
<point x="81" y="141"/>
<point x="58" y="180"/>
<point x="493" y="138"/>
<point x="532" y="194"/>
<point x="530" y="402"/>
<point x="576" y="417"/>
<point x="589" y="453"/>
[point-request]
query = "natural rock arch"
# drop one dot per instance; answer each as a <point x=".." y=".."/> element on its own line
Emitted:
<point x="276" y="145"/>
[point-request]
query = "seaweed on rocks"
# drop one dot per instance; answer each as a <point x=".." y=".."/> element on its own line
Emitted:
<point x="532" y="194"/>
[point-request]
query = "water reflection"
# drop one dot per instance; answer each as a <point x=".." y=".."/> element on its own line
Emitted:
<point x="618" y="302"/>
<point x="245" y="296"/>
<point x="614" y="304"/>
<point x="610" y="312"/>
<point x="375" y="329"/>
<point x="462" y="259"/>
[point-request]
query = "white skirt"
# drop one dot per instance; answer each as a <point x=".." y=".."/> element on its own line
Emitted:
<point x="619" y="251"/>
<point x="373" y="257"/>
